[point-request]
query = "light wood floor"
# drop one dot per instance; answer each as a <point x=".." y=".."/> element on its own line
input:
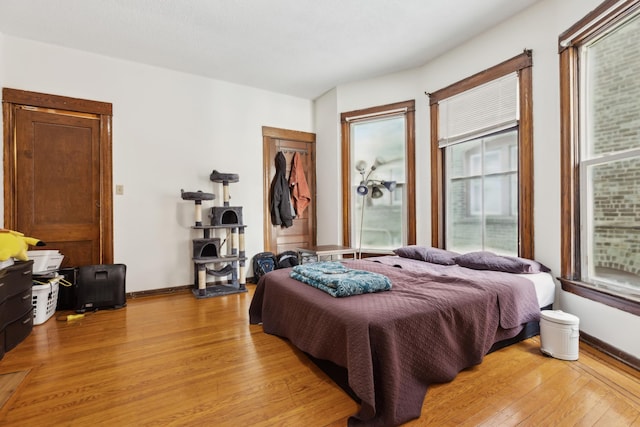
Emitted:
<point x="176" y="360"/>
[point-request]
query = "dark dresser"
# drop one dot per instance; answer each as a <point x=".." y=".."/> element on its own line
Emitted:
<point x="16" y="307"/>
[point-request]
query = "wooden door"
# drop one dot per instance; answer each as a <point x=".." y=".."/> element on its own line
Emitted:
<point x="58" y="174"/>
<point x="303" y="231"/>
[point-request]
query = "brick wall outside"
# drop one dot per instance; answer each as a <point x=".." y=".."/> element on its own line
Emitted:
<point x="616" y="126"/>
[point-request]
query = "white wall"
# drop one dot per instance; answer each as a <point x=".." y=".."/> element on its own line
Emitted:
<point x="1" y="115"/>
<point x="170" y="130"/>
<point x="536" y="28"/>
<point x="328" y="189"/>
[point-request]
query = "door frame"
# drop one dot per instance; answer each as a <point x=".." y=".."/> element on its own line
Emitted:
<point x="15" y="98"/>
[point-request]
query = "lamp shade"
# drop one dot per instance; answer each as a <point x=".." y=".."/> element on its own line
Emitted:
<point x="362" y="189"/>
<point x="376" y="192"/>
<point x="389" y="185"/>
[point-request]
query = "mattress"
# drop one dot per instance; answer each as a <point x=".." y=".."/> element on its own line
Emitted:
<point x="544" y="285"/>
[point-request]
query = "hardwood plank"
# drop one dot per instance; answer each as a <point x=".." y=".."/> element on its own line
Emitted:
<point x="9" y="383"/>
<point x="176" y="360"/>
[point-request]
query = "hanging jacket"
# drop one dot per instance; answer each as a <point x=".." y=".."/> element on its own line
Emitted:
<point x="280" y="197"/>
<point x="299" y="187"/>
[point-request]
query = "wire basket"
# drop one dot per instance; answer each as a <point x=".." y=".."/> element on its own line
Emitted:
<point x="44" y="298"/>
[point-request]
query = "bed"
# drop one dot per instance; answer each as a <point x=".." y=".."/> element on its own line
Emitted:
<point x="434" y="322"/>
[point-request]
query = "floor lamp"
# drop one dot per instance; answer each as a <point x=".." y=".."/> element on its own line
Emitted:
<point x="376" y="187"/>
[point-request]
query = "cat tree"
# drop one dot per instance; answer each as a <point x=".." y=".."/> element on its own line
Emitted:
<point x="220" y="253"/>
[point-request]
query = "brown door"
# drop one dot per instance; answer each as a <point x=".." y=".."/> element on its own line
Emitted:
<point x="58" y="174"/>
<point x="303" y="231"/>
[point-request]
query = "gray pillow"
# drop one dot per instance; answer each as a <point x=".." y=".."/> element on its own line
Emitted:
<point x="427" y="254"/>
<point x="484" y="260"/>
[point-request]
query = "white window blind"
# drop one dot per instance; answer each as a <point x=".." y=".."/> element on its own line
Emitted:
<point x="487" y="108"/>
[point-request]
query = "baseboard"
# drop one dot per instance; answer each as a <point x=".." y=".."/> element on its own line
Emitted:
<point x="616" y="353"/>
<point x="162" y="291"/>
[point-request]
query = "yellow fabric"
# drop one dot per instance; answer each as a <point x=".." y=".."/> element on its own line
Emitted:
<point x="15" y="244"/>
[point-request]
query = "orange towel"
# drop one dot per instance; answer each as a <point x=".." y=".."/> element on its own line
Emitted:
<point x="299" y="187"/>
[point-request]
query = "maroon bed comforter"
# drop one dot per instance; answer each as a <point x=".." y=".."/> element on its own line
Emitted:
<point x="436" y="321"/>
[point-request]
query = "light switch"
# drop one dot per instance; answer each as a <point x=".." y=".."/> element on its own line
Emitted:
<point x="119" y="189"/>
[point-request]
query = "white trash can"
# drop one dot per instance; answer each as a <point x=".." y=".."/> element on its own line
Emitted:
<point x="559" y="333"/>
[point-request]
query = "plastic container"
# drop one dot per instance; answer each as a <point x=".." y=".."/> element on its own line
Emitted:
<point x="45" y="261"/>
<point x="44" y="299"/>
<point x="559" y="334"/>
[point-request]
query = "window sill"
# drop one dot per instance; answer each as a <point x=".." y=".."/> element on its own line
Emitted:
<point x="596" y="294"/>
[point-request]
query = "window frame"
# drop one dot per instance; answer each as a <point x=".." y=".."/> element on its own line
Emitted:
<point x="408" y="108"/>
<point x="521" y="64"/>
<point x="607" y="14"/>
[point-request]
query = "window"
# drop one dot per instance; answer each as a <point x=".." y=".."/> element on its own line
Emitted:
<point x="481" y="161"/>
<point x="600" y="62"/>
<point x="481" y="201"/>
<point x="377" y="176"/>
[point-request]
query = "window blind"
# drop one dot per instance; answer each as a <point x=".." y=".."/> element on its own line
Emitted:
<point x="484" y="109"/>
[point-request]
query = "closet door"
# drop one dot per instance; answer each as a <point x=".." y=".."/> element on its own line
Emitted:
<point x="303" y="231"/>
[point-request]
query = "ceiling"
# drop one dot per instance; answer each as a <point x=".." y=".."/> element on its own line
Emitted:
<point x="297" y="47"/>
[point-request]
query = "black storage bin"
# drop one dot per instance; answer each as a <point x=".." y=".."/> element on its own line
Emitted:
<point x="2" y="343"/>
<point x="100" y="286"/>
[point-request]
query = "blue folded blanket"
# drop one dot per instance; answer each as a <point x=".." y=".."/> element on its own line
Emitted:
<point x="338" y="280"/>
